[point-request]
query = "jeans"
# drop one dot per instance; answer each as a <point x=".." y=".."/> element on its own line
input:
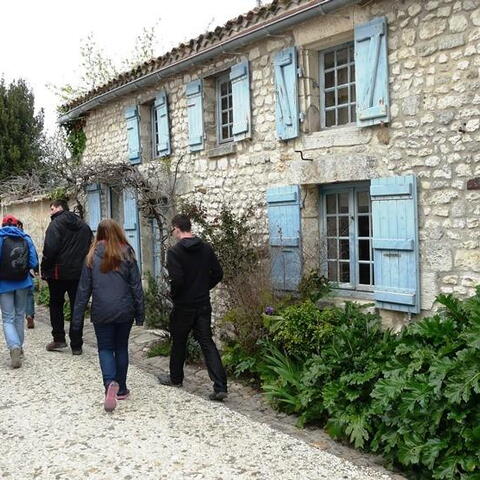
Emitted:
<point x="112" y="343"/>
<point x="182" y="321"/>
<point x="30" y="303"/>
<point x="57" y="289"/>
<point x="12" y="305"/>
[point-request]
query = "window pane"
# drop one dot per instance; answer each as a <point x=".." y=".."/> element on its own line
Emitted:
<point x="224" y="103"/>
<point x="342" y="56"/>
<point x="344" y="272"/>
<point x="363" y="226"/>
<point x="330" y="118"/>
<point x="223" y="89"/>
<point x="342" y="95"/>
<point x="353" y="113"/>
<point x="330" y="79"/>
<point x="344" y="249"/>
<point x="352" y="93"/>
<point x="363" y="202"/>
<point x="343" y="203"/>
<point x="225" y="133"/>
<point x="225" y="118"/>
<point x="364" y="273"/>
<point x="332" y="226"/>
<point x="329" y="60"/>
<point x="351" y="53"/>
<point x="342" y="76"/>
<point x="332" y="271"/>
<point x="342" y="116"/>
<point x="330" y="99"/>
<point x="331" y="204"/>
<point x="344" y="224"/>
<point x="332" y="251"/>
<point x="364" y="249"/>
<point x="352" y="73"/>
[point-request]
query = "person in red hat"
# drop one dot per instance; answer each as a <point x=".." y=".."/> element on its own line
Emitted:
<point x="17" y="257"/>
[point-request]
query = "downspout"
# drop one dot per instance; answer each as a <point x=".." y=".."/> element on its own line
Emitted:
<point x="275" y="26"/>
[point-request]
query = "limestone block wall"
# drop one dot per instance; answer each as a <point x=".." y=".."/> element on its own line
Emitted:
<point x="434" y="63"/>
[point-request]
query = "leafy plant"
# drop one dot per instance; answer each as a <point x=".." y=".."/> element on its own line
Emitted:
<point x="157" y="308"/>
<point x="314" y="286"/>
<point x="159" y="349"/>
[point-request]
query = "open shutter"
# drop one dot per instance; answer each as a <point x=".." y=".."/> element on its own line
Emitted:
<point x="286" y="88"/>
<point x="94" y="205"/>
<point x="240" y="78"/>
<point x="162" y="127"/>
<point x="395" y="243"/>
<point x="195" y="115"/>
<point x="371" y="66"/>
<point x="284" y="236"/>
<point x="131" y="221"/>
<point x="133" y="135"/>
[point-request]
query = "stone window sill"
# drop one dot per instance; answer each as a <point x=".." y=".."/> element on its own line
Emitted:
<point x="347" y="136"/>
<point x="222" y="150"/>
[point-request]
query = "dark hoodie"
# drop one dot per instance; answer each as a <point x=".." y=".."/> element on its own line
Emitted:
<point x="67" y="241"/>
<point x="194" y="270"/>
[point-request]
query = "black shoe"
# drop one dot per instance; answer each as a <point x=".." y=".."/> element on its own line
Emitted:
<point x="218" y="396"/>
<point x="56" y="346"/>
<point x="165" y="379"/>
<point x="77" y="351"/>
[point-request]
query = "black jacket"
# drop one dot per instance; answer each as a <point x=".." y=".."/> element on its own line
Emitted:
<point x="194" y="270"/>
<point x="67" y="241"/>
<point x="117" y="296"/>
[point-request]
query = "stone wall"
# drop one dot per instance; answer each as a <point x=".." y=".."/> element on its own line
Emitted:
<point x="434" y="62"/>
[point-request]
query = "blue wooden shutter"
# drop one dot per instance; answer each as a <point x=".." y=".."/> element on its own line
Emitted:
<point x="395" y="243"/>
<point x="240" y="78"/>
<point x="286" y="106"/>
<point x="162" y="141"/>
<point x="131" y="221"/>
<point x="195" y="115"/>
<point x="371" y="67"/>
<point x="284" y="236"/>
<point x="133" y="135"/>
<point x="94" y="205"/>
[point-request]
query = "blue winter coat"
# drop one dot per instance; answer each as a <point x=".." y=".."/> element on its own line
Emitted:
<point x="11" y="285"/>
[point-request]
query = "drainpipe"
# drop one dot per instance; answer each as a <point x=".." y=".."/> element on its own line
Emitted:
<point x="250" y="35"/>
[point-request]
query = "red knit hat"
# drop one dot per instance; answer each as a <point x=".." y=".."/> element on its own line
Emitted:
<point x="9" y="221"/>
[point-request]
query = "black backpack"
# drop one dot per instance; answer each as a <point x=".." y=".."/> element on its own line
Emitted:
<point x="14" y="259"/>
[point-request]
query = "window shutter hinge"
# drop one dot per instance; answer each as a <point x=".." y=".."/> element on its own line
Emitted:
<point x="300" y="72"/>
<point x="301" y="116"/>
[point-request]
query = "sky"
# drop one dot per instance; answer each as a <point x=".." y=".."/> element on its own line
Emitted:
<point x="40" y="39"/>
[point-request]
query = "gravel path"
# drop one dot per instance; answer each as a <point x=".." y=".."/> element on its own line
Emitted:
<point x="53" y="426"/>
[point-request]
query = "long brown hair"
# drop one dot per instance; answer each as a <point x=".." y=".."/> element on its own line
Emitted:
<point x="116" y="244"/>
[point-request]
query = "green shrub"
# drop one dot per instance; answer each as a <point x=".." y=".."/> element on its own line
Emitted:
<point x="157" y="307"/>
<point x="314" y="286"/>
<point x="237" y="361"/>
<point x="159" y="349"/>
<point x="42" y="294"/>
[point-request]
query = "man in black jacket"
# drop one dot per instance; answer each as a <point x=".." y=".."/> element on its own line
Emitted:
<point x="194" y="270"/>
<point x="67" y="241"/>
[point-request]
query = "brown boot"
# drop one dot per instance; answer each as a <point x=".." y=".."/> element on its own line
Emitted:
<point x="30" y="322"/>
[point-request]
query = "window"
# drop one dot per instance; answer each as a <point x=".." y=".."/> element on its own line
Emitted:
<point x="337" y="86"/>
<point x="155" y="132"/>
<point x="347" y="216"/>
<point x="224" y="110"/>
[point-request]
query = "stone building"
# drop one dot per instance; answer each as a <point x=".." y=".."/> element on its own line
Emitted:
<point x="352" y="127"/>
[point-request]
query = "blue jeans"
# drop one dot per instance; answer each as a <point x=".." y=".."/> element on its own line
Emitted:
<point x="112" y="343"/>
<point x="12" y="305"/>
<point x="30" y="303"/>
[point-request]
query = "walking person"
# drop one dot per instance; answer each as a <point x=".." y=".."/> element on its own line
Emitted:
<point x="67" y="241"/>
<point x="194" y="270"/>
<point x="17" y="257"/>
<point x="112" y="278"/>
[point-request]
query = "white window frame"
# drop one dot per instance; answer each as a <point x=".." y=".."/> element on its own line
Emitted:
<point x="153" y="116"/>
<point x="352" y="189"/>
<point x="222" y="79"/>
<point x="351" y="104"/>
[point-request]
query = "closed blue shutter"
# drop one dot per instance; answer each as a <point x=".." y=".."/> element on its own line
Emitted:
<point x="162" y="139"/>
<point x="284" y="236"/>
<point x="240" y="78"/>
<point x="131" y="221"/>
<point x="286" y="106"/>
<point x="371" y="66"/>
<point x="94" y="205"/>
<point x="195" y="115"/>
<point x="133" y="135"/>
<point x="395" y="243"/>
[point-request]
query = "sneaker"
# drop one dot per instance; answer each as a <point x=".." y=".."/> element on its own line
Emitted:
<point x="77" y="351"/>
<point x="165" y="379"/>
<point x="111" y="397"/>
<point x="16" y="356"/>
<point x="218" y="396"/>
<point x="56" y="346"/>
<point x="123" y="395"/>
<point x="30" y="322"/>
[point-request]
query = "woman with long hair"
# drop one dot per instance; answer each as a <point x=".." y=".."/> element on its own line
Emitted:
<point x="112" y="278"/>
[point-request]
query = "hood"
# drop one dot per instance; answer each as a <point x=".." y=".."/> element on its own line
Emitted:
<point x="12" y="232"/>
<point x="190" y="244"/>
<point x="69" y="219"/>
